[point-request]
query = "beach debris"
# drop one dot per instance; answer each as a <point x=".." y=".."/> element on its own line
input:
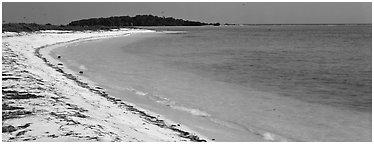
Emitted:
<point x="6" y="106"/>
<point x="60" y="64"/>
<point x="58" y="56"/>
<point x="11" y="78"/>
<point x="15" y="114"/>
<point x="11" y="94"/>
<point x="8" y="128"/>
<point x="81" y="72"/>
<point x="24" y="126"/>
<point x="6" y="74"/>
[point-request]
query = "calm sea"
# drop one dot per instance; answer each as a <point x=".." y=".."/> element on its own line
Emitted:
<point x="300" y="83"/>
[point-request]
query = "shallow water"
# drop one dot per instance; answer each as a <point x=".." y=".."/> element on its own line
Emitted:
<point x="322" y="64"/>
<point x="251" y="83"/>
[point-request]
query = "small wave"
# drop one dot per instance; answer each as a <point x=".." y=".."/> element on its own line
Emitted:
<point x="192" y="111"/>
<point x="196" y="112"/>
<point x="165" y="101"/>
<point x="161" y="100"/>
<point x="229" y="124"/>
<point x="173" y="105"/>
<point x="273" y="137"/>
<point x="175" y="32"/>
<point x="268" y="136"/>
<point x="82" y="67"/>
<point x="137" y="92"/>
<point x="141" y="93"/>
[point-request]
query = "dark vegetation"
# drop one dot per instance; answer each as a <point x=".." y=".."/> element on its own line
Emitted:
<point x="96" y="24"/>
<point x="139" y="20"/>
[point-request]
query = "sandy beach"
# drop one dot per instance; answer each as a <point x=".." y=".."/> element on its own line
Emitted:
<point x="43" y="101"/>
<point x="187" y="72"/>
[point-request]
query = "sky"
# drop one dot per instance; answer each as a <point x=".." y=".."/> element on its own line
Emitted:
<point x="222" y="12"/>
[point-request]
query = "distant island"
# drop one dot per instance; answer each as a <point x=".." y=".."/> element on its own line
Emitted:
<point x="114" y="22"/>
<point x="138" y="20"/>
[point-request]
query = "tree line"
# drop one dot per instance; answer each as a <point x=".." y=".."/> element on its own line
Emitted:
<point x="104" y="24"/>
<point x="138" y="20"/>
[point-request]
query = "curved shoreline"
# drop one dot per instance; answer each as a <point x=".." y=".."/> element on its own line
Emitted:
<point x="144" y="115"/>
<point x="100" y="91"/>
<point x="285" y="117"/>
<point x="88" y="106"/>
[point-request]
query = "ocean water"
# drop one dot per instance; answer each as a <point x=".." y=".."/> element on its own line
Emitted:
<point x="242" y="83"/>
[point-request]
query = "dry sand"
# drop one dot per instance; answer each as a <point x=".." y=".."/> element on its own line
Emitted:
<point x="42" y="101"/>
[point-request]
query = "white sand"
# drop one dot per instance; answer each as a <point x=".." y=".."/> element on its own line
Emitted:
<point x="42" y="104"/>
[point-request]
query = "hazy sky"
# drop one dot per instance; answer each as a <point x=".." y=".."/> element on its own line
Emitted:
<point x="250" y="12"/>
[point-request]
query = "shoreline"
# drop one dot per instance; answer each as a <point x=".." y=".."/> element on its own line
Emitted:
<point x="171" y="130"/>
<point x="265" y="115"/>
<point x="193" y="118"/>
<point x="309" y="119"/>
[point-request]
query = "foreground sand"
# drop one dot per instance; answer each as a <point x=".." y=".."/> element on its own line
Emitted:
<point x="41" y="101"/>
